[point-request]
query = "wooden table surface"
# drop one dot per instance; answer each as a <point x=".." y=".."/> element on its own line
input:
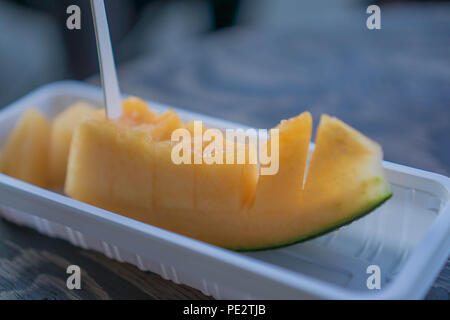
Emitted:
<point x="392" y="84"/>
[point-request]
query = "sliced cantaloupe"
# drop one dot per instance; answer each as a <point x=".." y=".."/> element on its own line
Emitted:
<point x="135" y="111"/>
<point x="227" y="205"/>
<point x="222" y="187"/>
<point x="345" y="178"/>
<point x="61" y="136"/>
<point x="111" y="166"/>
<point x="25" y="154"/>
<point x="126" y="166"/>
<point x="174" y="186"/>
<point x="282" y="191"/>
<point x="165" y="124"/>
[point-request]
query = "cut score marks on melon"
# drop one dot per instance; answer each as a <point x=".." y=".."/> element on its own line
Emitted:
<point x="125" y="165"/>
<point x="229" y="205"/>
<point x="344" y="181"/>
<point x="282" y="190"/>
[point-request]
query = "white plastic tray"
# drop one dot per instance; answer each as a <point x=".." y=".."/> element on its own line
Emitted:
<point x="408" y="237"/>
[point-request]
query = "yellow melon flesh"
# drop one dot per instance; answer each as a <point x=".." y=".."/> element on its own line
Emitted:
<point x="282" y="191"/>
<point x="127" y="168"/>
<point x="345" y="178"/>
<point x="25" y="154"/>
<point x="174" y="184"/>
<point x="111" y="166"/>
<point x="165" y="124"/>
<point x="61" y="136"/>
<point x="135" y="112"/>
<point x="222" y="188"/>
<point x="112" y="163"/>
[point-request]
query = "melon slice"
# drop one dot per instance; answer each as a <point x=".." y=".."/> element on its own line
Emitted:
<point x="112" y="163"/>
<point x="127" y="168"/>
<point x="344" y="181"/>
<point x="165" y="124"/>
<point x="282" y="191"/>
<point x="111" y="166"/>
<point x="223" y="187"/>
<point x="136" y="112"/>
<point x="61" y="136"/>
<point x="25" y="154"/>
<point x="174" y="184"/>
<point x="345" y="178"/>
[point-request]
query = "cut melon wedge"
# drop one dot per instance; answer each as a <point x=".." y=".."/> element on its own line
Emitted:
<point x="127" y="168"/>
<point x="282" y="191"/>
<point x="61" y="136"/>
<point x="223" y="187"/>
<point x="25" y="154"/>
<point x="345" y="180"/>
<point x="114" y="170"/>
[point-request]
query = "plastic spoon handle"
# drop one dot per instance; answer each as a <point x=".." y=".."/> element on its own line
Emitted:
<point x="108" y="72"/>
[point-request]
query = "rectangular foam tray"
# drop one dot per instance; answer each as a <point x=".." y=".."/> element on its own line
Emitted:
<point x="408" y="237"/>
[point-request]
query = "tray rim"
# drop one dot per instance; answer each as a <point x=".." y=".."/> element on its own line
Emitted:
<point x="421" y="261"/>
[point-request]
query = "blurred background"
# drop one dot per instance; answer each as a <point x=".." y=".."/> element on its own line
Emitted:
<point x="256" y="62"/>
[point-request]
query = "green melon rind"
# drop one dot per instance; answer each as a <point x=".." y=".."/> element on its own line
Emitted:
<point x="361" y="213"/>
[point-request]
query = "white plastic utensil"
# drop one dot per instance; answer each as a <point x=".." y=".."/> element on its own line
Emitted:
<point x="111" y="92"/>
